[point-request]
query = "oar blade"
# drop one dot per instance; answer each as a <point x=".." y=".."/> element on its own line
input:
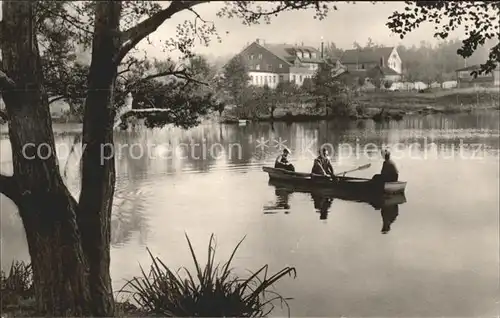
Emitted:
<point x="368" y="165"/>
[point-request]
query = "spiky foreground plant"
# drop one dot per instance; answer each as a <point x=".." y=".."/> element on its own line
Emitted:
<point x="213" y="291"/>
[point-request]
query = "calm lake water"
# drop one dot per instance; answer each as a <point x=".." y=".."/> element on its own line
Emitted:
<point x="440" y="257"/>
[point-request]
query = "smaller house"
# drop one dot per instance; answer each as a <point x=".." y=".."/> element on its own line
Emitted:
<point x="375" y="76"/>
<point x="465" y="78"/>
<point x="385" y="60"/>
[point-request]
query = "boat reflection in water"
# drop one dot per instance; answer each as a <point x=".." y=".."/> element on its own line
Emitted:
<point x="323" y="199"/>
<point x="322" y="204"/>
<point x="282" y="199"/>
<point x="389" y="214"/>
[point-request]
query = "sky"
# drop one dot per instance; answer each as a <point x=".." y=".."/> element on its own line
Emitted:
<point x="351" y="22"/>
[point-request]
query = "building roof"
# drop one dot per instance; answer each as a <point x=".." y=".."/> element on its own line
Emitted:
<point x="288" y="52"/>
<point x="389" y="71"/>
<point x="469" y="68"/>
<point x="367" y="72"/>
<point x="371" y="55"/>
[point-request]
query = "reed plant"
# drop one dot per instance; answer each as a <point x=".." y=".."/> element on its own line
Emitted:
<point x="210" y="291"/>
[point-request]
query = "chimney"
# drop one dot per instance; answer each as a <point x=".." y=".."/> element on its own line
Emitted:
<point x="257" y="41"/>
<point x="302" y="44"/>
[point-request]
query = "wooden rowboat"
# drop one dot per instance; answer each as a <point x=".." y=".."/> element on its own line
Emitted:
<point x="352" y="185"/>
<point x="376" y="201"/>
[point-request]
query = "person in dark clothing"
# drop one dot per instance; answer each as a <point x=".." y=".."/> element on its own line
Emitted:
<point x="282" y="161"/>
<point x="389" y="171"/>
<point x="322" y="165"/>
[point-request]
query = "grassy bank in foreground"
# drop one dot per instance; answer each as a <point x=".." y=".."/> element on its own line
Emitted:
<point x="395" y="105"/>
<point x="210" y="291"/>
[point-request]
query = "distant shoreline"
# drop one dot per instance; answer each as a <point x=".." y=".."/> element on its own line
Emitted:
<point x="396" y="105"/>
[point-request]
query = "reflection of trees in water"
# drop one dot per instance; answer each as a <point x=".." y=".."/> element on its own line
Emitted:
<point x="282" y="202"/>
<point x="128" y="216"/>
<point x="237" y="145"/>
<point x="12" y="236"/>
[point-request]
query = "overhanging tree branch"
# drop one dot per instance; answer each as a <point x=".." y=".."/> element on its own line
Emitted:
<point x="56" y="98"/>
<point x="6" y="82"/>
<point x="182" y="74"/>
<point x="135" y="34"/>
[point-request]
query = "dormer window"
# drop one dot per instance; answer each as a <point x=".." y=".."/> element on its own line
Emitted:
<point x="260" y="56"/>
<point x="299" y="54"/>
<point x="313" y="55"/>
<point x="307" y="55"/>
<point x="251" y="56"/>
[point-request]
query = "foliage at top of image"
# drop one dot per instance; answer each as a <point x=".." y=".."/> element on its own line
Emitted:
<point x="211" y="291"/>
<point x="480" y="19"/>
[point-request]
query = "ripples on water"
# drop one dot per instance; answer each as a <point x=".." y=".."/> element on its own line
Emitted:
<point x="440" y="254"/>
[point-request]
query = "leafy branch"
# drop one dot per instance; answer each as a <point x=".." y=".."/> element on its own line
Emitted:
<point x="480" y="20"/>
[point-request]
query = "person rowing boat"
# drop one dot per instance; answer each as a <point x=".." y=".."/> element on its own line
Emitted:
<point x="322" y="165"/>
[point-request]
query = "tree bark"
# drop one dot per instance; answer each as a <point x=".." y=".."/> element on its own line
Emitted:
<point x="98" y="160"/>
<point x="46" y="207"/>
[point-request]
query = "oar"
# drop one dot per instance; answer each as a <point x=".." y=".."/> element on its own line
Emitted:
<point x="358" y="168"/>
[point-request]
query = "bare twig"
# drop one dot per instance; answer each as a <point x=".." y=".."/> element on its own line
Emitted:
<point x="129" y="66"/>
<point x="138" y="32"/>
<point x="74" y="23"/>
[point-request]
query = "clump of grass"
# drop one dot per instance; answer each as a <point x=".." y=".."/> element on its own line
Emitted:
<point x="16" y="286"/>
<point x="215" y="292"/>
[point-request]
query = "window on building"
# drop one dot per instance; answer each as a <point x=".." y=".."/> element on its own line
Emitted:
<point x="281" y="78"/>
<point x="269" y="67"/>
<point x="313" y="54"/>
<point x="251" y="56"/>
<point x="362" y="66"/>
<point x="281" y="66"/>
<point x="300" y="78"/>
<point x="293" y="77"/>
<point x="260" y="56"/>
<point x="257" y="67"/>
<point x="251" y="78"/>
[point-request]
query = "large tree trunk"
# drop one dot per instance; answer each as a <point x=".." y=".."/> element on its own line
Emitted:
<point x="47" y="209"/>
<point x="98" y="164"/>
